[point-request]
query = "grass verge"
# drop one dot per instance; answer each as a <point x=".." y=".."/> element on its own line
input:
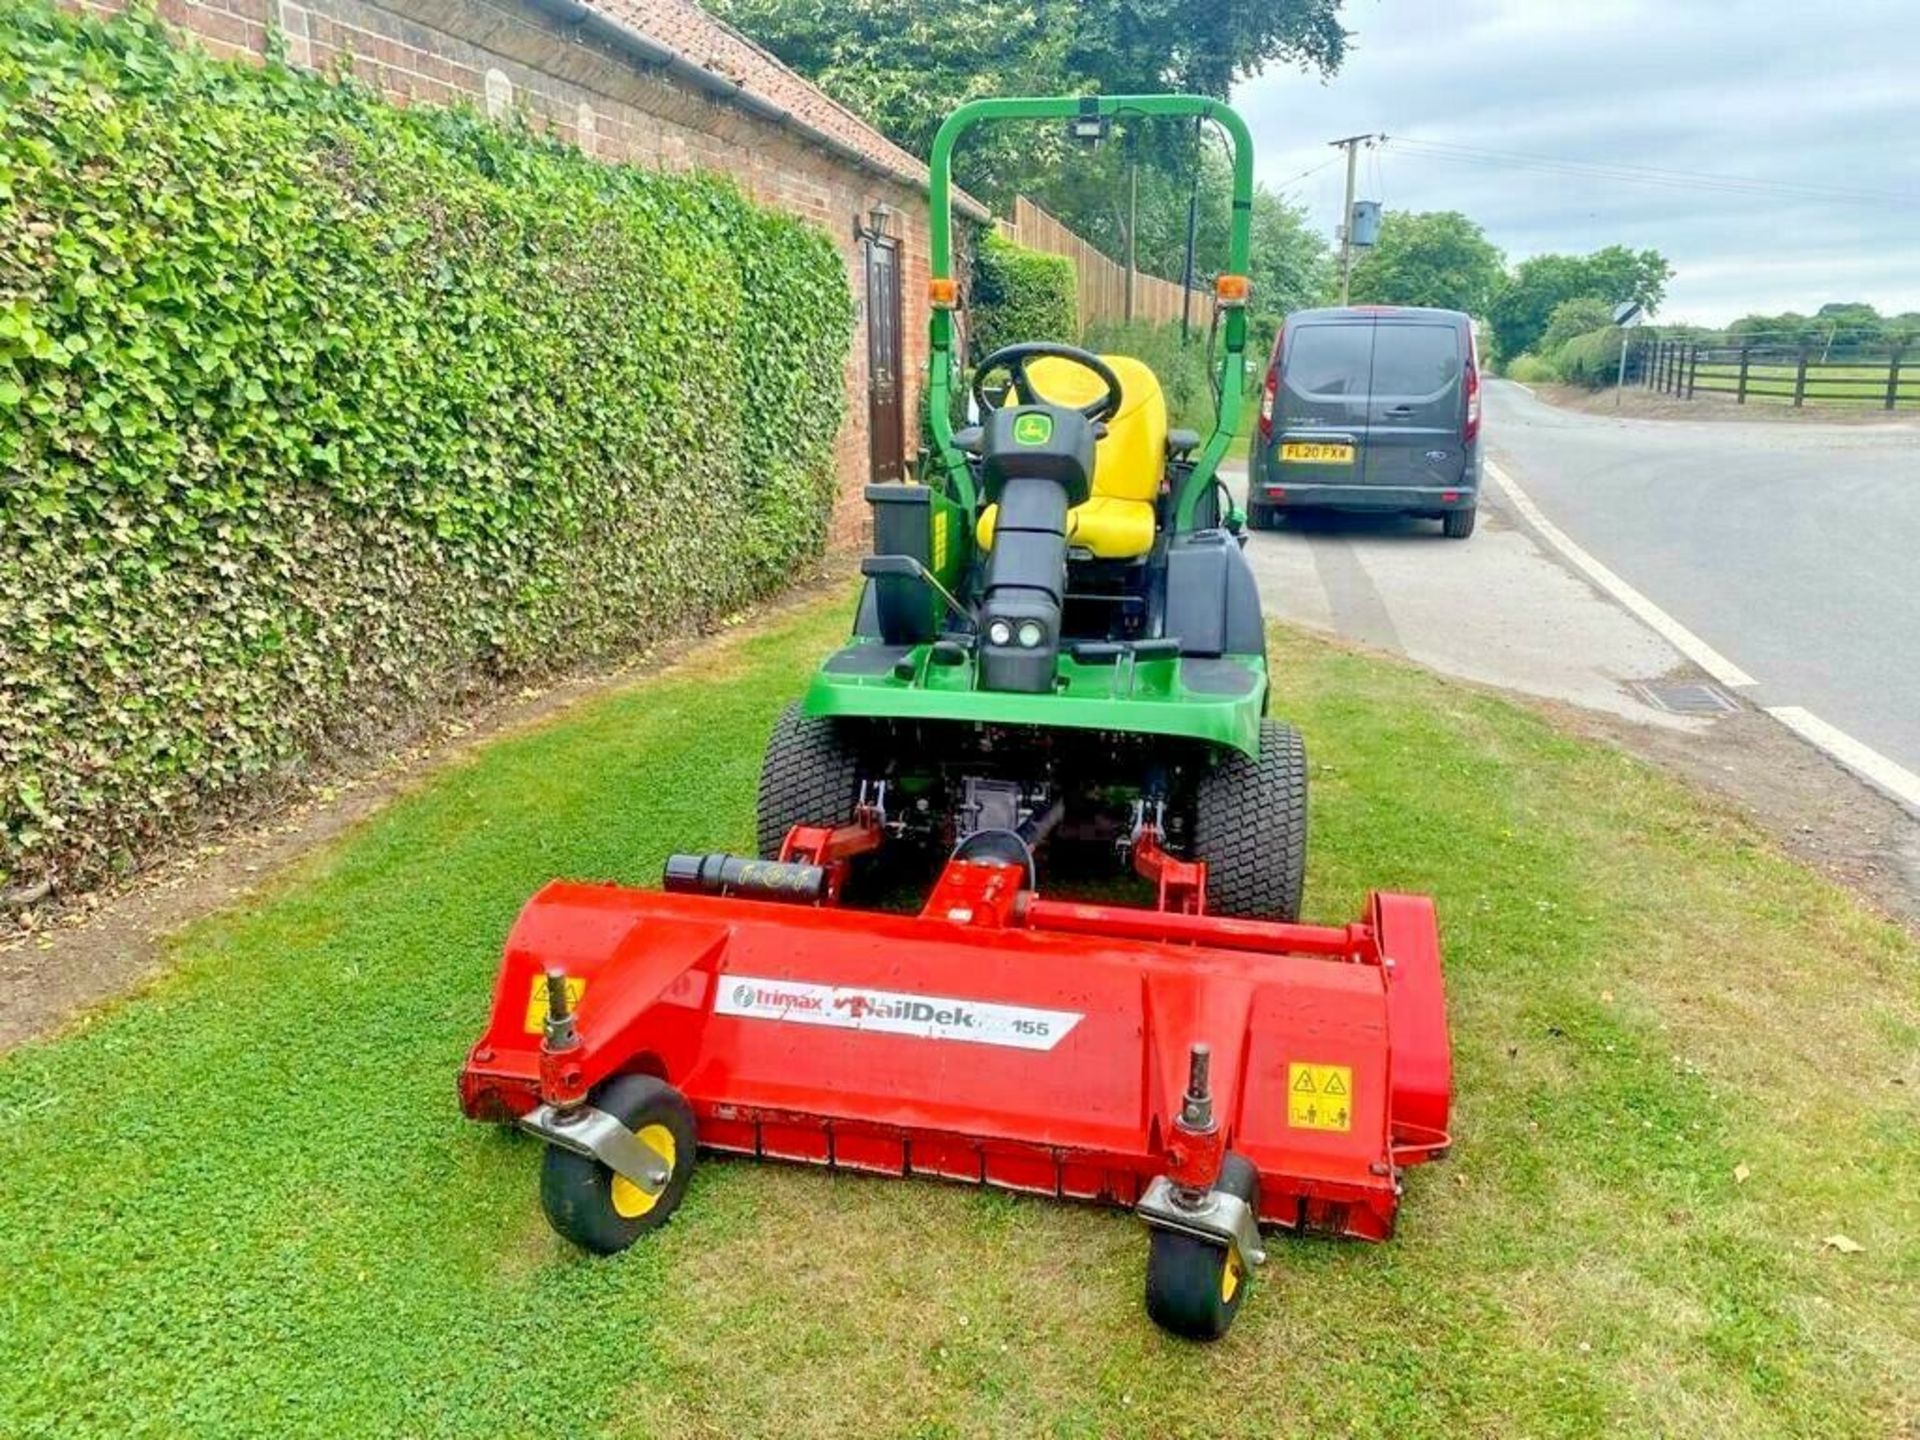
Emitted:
<point x="244" y="1202"/>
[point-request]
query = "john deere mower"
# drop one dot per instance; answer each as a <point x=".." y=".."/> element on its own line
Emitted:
<point x="1058" y="644"/>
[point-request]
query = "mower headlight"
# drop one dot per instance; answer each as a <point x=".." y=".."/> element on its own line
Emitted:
<point x="1000" y="633"/>
<point x="1031" y="634"/>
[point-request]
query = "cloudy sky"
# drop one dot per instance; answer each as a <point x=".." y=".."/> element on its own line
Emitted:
<point x="1786" y="136"/>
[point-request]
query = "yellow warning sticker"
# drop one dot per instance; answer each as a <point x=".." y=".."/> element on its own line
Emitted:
<point x="537" y="1000"/>
<point x="937" y="544"/>
<point x="1320" y="1097"/>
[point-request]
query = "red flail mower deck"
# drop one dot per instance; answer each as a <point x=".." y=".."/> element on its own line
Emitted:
<point x="1088" y="1052"/>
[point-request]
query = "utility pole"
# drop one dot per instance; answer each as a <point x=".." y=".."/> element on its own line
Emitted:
<point x="1133" y="219"/>
<point x="1193" y="226"/>
<point x="1352" y="146"/>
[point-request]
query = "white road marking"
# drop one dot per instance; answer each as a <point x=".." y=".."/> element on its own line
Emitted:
<point x="1863" y="760"/>
<point x="1658" y="620"/>
<point x="1518" y="386"/>
<point x="1866" y="762"/>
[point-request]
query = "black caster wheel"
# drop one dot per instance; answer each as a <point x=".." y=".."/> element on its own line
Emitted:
<point x="1194" y="1289"/>
<point x="601" y="1211"/>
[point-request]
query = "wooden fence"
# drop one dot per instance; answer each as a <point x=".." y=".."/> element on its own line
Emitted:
<point x="1772" y="375"/>
<point x="1102" y="282"/>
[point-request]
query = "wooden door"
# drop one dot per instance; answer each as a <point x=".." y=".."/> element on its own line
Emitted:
<point x="887" y="433"/>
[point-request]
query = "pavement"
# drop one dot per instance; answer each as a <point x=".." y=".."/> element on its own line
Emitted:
<point x="1778" y="561"/>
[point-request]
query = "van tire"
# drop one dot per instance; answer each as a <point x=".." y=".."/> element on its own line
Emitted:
<point x="1261" y="517"/>
<point x="1458" y="524"/>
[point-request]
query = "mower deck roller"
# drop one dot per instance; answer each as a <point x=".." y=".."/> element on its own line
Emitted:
<point x="996" y="1038"/>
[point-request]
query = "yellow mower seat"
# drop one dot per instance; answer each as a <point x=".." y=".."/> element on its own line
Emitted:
<point x="1116" y="522"/>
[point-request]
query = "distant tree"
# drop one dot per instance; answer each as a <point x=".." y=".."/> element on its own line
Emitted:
<point x="903" y="65"/>
<point x="1903" y="330"/>
<point x="1197" y="46"/>
<point x="1789" y="330"/>
<point x="1520" y="312"/>
<point x="1440" y="258"/>
<point x="1292" y="266"/>
<point x="1617" y="273"/>
<point x="1851" y="325"/>
<point x="1573" y="318"/>
<point x="1289" y="262"/>
<point x="1693" y="334"/>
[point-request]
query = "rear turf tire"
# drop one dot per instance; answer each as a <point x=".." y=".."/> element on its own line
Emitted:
<point x="810" y="776"/>
<point x="1195" y="1289"/>
<point x="1458" y="524"/>
<point x="1250" y="826"/>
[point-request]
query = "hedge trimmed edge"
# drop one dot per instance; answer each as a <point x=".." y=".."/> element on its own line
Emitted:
<point x="1020" y="294"/>
<point x="314" y="412"/>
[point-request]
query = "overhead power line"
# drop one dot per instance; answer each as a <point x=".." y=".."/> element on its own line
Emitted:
<point x="1310" y="170"/>
<point x="1692" y="181"/>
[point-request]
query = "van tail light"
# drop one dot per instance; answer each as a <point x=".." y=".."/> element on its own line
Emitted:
<point x="1271" y="389"/>
<point x="1472" y="427"/>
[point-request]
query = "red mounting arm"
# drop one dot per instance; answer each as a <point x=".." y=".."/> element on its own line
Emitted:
<point x="832" y="848"/>
<point x="1182" y="883"/>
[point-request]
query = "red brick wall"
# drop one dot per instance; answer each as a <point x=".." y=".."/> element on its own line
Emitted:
<point x="448" y="51"/>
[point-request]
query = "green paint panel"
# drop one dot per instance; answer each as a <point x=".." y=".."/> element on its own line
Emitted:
<point x="1148" y="697"/>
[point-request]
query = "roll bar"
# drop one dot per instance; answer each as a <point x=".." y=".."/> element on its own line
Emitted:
<point x="1232" y="377"/>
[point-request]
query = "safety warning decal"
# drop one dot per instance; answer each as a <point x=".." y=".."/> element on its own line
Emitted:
<point x="537" y="1000"/>
<point x="892" y="1012"/>
<point x="1320" y="1097"/>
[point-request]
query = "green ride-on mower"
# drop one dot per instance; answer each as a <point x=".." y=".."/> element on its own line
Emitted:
<point x="1058" y="641"/>
<point x="1059" y="638"/>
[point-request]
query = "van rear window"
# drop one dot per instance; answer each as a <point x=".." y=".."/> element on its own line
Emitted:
<point x="1414" y="359"/>
<point x="1329" y="359"/>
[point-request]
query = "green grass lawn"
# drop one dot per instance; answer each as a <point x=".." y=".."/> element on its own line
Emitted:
<point x="244" y="1201"/>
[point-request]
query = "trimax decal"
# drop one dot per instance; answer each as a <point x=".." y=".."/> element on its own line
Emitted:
<point x="893" y="1012"/>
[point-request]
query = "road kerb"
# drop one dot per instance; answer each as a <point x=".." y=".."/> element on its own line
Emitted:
<point x="1863" y="760"/>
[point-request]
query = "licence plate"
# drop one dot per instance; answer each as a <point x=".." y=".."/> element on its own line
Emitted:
<point x="1316" y="452"/>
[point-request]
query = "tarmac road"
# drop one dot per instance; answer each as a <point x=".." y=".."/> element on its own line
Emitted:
<point x="1791" y="549"/>
<point x="1782" y="558"/>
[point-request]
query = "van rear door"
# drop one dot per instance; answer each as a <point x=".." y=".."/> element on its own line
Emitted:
<point x="1321" y="411"/>
<point x="1415" y="411"/>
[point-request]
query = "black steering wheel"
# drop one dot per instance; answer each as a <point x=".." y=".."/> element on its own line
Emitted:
<point x="1013" y="359"/>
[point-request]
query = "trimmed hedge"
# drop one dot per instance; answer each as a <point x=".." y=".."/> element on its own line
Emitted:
<point x="1592" y="360"/>
<point x="1181" y="369"/>
<point x="315" y="412"/>
<point x="1020" y="294"/>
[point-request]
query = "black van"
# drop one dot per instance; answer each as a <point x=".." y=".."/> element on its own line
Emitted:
<point x="1370" y="407"/>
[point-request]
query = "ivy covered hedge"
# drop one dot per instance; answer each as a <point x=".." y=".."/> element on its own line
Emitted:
<point x="314" y="412"/>
<point x="1020" y="294"/>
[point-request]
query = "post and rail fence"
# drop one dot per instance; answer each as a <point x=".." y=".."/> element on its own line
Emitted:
<point x="1102" y="281"/>
<point x="1772" y="374"/>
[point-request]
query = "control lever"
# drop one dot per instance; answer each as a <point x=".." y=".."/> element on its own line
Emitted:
<point x="905" y="567"/>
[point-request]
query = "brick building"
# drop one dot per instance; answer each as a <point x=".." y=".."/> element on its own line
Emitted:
<point x="658" y="83"/>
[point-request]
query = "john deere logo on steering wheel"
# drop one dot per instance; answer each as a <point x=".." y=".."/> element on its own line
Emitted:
<point x="1032" y="429"/>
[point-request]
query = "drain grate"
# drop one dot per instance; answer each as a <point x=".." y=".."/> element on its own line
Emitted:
<point x="1686" y="697"/>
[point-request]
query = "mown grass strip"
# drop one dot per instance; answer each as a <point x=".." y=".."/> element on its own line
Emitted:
<point x="244" y="1202"/>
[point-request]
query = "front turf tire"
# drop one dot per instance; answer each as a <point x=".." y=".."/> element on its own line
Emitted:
<point x="810" y="776"/>
<point x="600" y="1211"/>
<point x="1250" y="826"/>
<point x="1195" y="1289"/>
